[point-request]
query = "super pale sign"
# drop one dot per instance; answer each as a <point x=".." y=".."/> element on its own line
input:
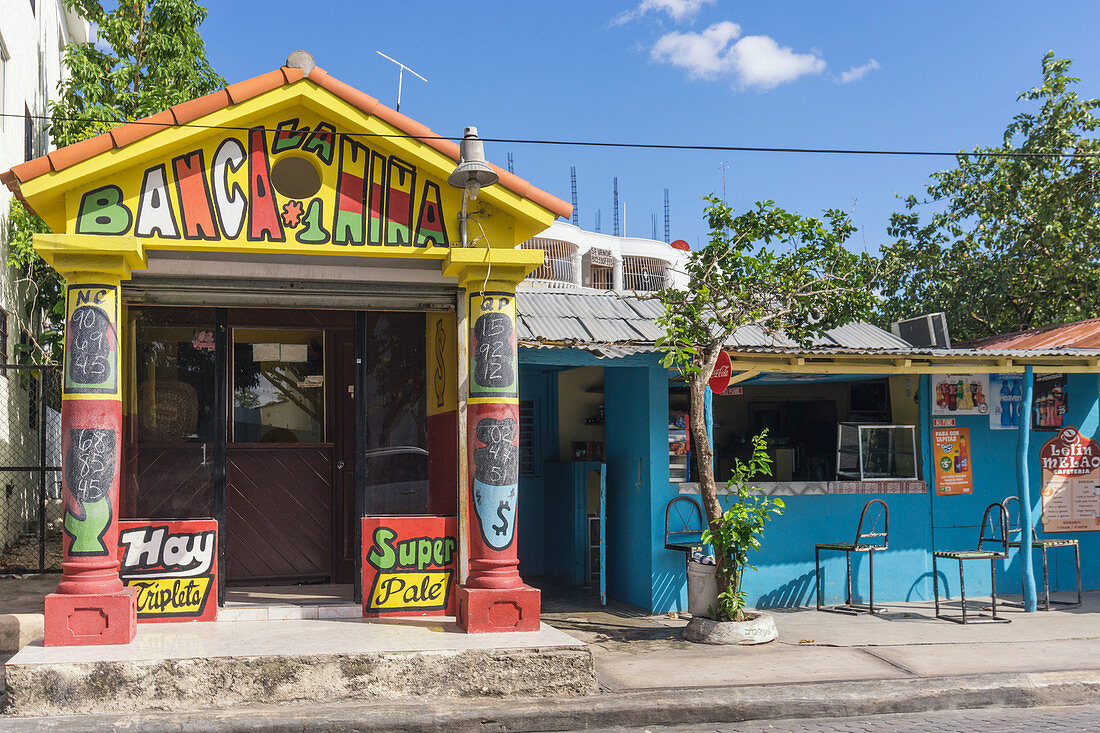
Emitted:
<point x="409" y="565"/>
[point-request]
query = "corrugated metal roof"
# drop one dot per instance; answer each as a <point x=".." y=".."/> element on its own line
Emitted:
<point x="607" y="323"/>
<point x="1082" y="334"/>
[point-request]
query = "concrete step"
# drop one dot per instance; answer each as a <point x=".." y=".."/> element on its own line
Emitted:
<point x="208" y="666"/>
<point x="19" y="629"/>
<point x="288" y="612"/>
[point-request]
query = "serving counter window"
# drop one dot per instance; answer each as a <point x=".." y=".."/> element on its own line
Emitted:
<point x="821" y="430"/>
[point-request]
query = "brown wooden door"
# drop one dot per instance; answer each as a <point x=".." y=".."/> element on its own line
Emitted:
<point x="279" y="512"/>
<point x="280" y="459"/>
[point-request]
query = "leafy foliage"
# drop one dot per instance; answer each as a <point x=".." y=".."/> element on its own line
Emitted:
<point x="769" y="268"/>
<point x="149" y="56"/>
<point x="42" y="287"/>
<point x="740" y="529"/>
<point x="1012" y="243"/>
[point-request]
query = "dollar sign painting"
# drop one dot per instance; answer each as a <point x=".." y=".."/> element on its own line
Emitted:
<point x="496" y="478"/>
<point x="89" y="475"/>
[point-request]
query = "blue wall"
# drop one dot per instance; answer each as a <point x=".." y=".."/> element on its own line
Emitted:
<point x="642" y="573"/>
<point x="636" y="407"/>
<point x="956" y="518"/>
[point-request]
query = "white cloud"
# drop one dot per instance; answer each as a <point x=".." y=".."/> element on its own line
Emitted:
<point x="858" y="72"/>
<point x="678" y="10"/>
<point x="719" y="51"/>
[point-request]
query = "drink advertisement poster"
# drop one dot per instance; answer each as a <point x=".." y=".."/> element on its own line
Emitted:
<point x="173" y="564"/>
<point x="1071" y="483"/>
<point x="951" y="454"/>
<point x="960" y="394"/>
<point x="409" y="566"/>
<point x="1049" y="402"/>
<point x="1006" y="393"/>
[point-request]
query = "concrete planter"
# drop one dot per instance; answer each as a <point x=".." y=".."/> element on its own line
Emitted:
<point x="759" y="628"/>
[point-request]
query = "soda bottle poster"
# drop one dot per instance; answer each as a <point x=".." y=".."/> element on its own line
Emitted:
<point x="951" y="456"/>
<point x="960" y="394"/>
<point x="1050" y="401"/>
<point x="1006" y="394"/>
<point x="1070" y="483"/>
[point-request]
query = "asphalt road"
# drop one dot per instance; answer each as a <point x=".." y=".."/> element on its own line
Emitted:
<point x="1001" y="720"/>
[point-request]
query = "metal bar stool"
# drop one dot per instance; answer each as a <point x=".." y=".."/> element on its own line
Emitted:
<point x="871" y="541"/>
<point x="1043" y="544"/>
<point x="995" y="522"/>
<point x="684" y="525"/>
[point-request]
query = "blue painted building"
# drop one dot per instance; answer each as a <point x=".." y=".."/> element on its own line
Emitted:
<point x="593" y="392"/>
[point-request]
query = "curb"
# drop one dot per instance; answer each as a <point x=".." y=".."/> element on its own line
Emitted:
<point x="19" y="629"/>
<point x="666" y="706"/>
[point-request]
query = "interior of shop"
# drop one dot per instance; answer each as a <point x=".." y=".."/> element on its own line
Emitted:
<point x="821" y="429"/>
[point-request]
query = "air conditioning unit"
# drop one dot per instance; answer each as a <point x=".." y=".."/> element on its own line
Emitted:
<point x="929" y="331"/>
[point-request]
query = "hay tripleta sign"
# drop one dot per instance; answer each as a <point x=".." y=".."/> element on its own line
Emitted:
<point x="173" y="564"/>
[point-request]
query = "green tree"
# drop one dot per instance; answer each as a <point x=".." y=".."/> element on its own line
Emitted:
<point x="1011" y="242"/>
<point x="769" y="268"/>
<point x="148" y="56"/>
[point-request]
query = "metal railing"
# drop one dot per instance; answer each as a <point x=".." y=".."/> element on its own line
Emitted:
<point x="30" y="468"/>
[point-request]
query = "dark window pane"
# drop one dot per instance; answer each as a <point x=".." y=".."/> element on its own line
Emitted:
<point x="175" y="426"/>
<point x="395" y="455"/>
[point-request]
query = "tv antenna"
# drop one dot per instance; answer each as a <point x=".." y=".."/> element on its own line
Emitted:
<point x="400" y="76"/>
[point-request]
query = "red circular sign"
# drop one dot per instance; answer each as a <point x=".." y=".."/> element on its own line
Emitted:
<point x="720" y="377"/>
<point x="681" y="244"/>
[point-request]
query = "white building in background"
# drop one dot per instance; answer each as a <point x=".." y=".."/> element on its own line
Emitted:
<point x="576" y="258"/>
<point x="33" y="34"/>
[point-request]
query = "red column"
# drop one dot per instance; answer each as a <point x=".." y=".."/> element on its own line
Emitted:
<point x="494" y="597"/>
<point x="91" y="606"/>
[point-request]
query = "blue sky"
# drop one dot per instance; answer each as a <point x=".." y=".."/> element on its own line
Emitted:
<point x="935" y="75"/>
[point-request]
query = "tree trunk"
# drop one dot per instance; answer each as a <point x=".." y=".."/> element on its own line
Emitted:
<point x="708" y="487"/>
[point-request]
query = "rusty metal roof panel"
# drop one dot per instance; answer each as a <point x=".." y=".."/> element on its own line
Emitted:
<point x="1082" y="334"/>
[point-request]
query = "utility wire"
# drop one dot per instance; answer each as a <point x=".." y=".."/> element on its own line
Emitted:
<point x="599" y="144"/>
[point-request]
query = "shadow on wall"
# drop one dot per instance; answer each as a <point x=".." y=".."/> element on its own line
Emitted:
<point x="798" y="592"/>
<point x="670" y="589"/>
<point x="921" y="589"/>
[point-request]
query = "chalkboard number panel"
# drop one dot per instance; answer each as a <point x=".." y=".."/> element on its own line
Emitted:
<point x="91" y="364"/>
<point x="493" y="365"/>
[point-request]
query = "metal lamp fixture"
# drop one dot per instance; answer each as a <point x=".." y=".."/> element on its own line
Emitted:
<point x="471" y="175"/>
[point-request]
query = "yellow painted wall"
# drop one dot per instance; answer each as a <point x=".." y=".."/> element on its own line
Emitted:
<point x="575" y="404"/>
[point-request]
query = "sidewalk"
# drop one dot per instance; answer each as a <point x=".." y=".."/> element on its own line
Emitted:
<point x="822" y="665"/>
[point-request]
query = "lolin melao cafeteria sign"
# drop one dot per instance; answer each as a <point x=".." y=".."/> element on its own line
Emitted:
<point x="300" y="182"/>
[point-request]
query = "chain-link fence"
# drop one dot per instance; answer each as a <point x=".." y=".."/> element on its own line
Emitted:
<point x="30" y="468"/>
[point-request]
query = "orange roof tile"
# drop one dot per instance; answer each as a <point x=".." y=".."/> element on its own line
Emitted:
<point x="241" y="91"/>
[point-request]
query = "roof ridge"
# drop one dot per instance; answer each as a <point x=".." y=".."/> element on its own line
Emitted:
<point x="238" y="92"/>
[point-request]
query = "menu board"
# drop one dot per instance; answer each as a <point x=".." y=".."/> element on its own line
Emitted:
<point x="1070" y="483"/>
<point x="951" y="457"/>
<point x="493" y="367"/>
